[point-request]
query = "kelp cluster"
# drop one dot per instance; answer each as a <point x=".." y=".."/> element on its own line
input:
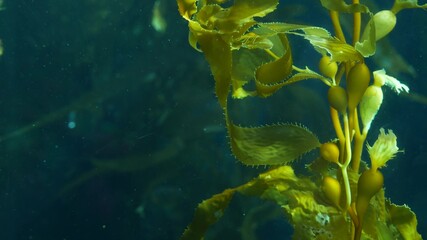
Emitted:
<point x="343" y="197"/>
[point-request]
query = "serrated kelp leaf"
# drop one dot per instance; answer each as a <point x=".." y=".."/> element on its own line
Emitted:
<point x="207" y="2"/>
<point x="270" y="145"/>
<point x="319" y="166"/>
<point x="207" y="213"/>
<point x="265" y="90"/>
<point x="307" y="210"/>
<point x="367" y="44"/>
<point x="243" y="9"/>
<point x="254" y="41"/>
<point x="211" y="210"/>
<point x="192" y="40"/>
<point x="246" y="61"/>
<point x="321" y="40"/>
<point x="206" y="16"/>
<point x="278" y="27"/>
<point x="282" y="177"/>
<point x="341" y="6"/>
<point x="277" y="70"/>
<point x="228" y="20"/>
<point x="375" y="219"/>
<point x="338" y="50"/>
<point x="405" y="221"/>
<point x="218" y="54"/>
<point x="300" y="199"/>
<point x="406" y="4"/>
<point x="187" y="8"/>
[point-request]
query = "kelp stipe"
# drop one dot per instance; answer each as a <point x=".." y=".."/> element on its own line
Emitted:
<point x="347" y="201"/>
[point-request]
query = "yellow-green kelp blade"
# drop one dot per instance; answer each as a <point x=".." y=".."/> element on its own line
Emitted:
<point x="321" y="40"/>
<point x="218" y="54"/>
<point x="279" y="69"/>
<point x="187" y="8"/>
<point x="405" y="221"/>
<point x="341" y="6"/>
<point x="307" y="209"/>
<point x="266" y="90"/>
<point x="282" y="186"/>
<point x="207" y="213"/>
<point x="367" y="45"/>
<point x="270" y="145"/>
<point x="404" y="4"/>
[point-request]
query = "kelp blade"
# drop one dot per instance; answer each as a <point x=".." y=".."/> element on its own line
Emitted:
<point x="341" y="6"/>
<point x="321" y="40"/>
<point x="265" y="90"/>
<point x="277" y="70"/>
<point x="270" y="145"/>
<point x="311" y="216"/>
<point x="207" y="213"/>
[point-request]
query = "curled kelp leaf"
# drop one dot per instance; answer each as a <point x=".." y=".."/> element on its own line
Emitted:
<point x="254" y="41"/>
<point x="277" y="70"/>
<point x="405" y="221"/>
<point x="228" y="20"/>
<point x="270" y="145"/>
<point x="404" y="4"/>
<point x="218" y="31"/>
<point x="268" y="65"/>
<point x="243" y="9"/>
<point x="187" y="8"/>
<point x="218" y="54"/>
<point x="341" y="6"/>
<point x="321" y="40"/>
<point x="265" y="90"/>
<point x="271" y="185"/>
<point x="338" y="50"/>
<point x="311" y="217"/>
<point x="207" y="213"/>
<point x="367" y="44"/>
<point x="246" y="61"/>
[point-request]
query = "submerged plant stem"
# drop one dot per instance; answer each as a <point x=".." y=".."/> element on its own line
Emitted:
<point x="359" y="140"/>
<point x="347" y="162"/>
<point x="338" y="130"/>
<point x="337" y="25"/>
<point x="356" y="24"/>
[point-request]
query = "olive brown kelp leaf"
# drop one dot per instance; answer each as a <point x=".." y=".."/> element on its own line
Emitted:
<point x="218" y="54"/>
<point x="321" y="40"/>
<point x="216" y="31"/>
<point x="311" y="216"/>
<point x="187" y="8"/>
<point x="265" y="90"/>
<point x="207" y="213"/>
<point x="270" y="145"/>
<point x="273" y="72"/>
<point x="294" y="195"/>
<point x="263" y="56"/>
<point x="341" y="6"/>
<point x="243" y="11"/>
<point x="405" y="221"/>
<point x="404" y="4"/>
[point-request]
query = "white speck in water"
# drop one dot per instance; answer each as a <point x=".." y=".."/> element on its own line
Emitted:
<point x="71" y="120"/>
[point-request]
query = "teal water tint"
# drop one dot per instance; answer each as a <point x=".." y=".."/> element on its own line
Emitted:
<point x="109" y="128"/>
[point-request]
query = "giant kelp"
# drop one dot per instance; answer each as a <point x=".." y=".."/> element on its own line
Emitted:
<point x="249" y="58"/>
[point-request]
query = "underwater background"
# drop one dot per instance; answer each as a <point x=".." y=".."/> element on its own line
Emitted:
<point x="110" y="129"/>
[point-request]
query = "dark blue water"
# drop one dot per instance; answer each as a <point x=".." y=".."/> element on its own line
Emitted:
<point x="110" y="129"/>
